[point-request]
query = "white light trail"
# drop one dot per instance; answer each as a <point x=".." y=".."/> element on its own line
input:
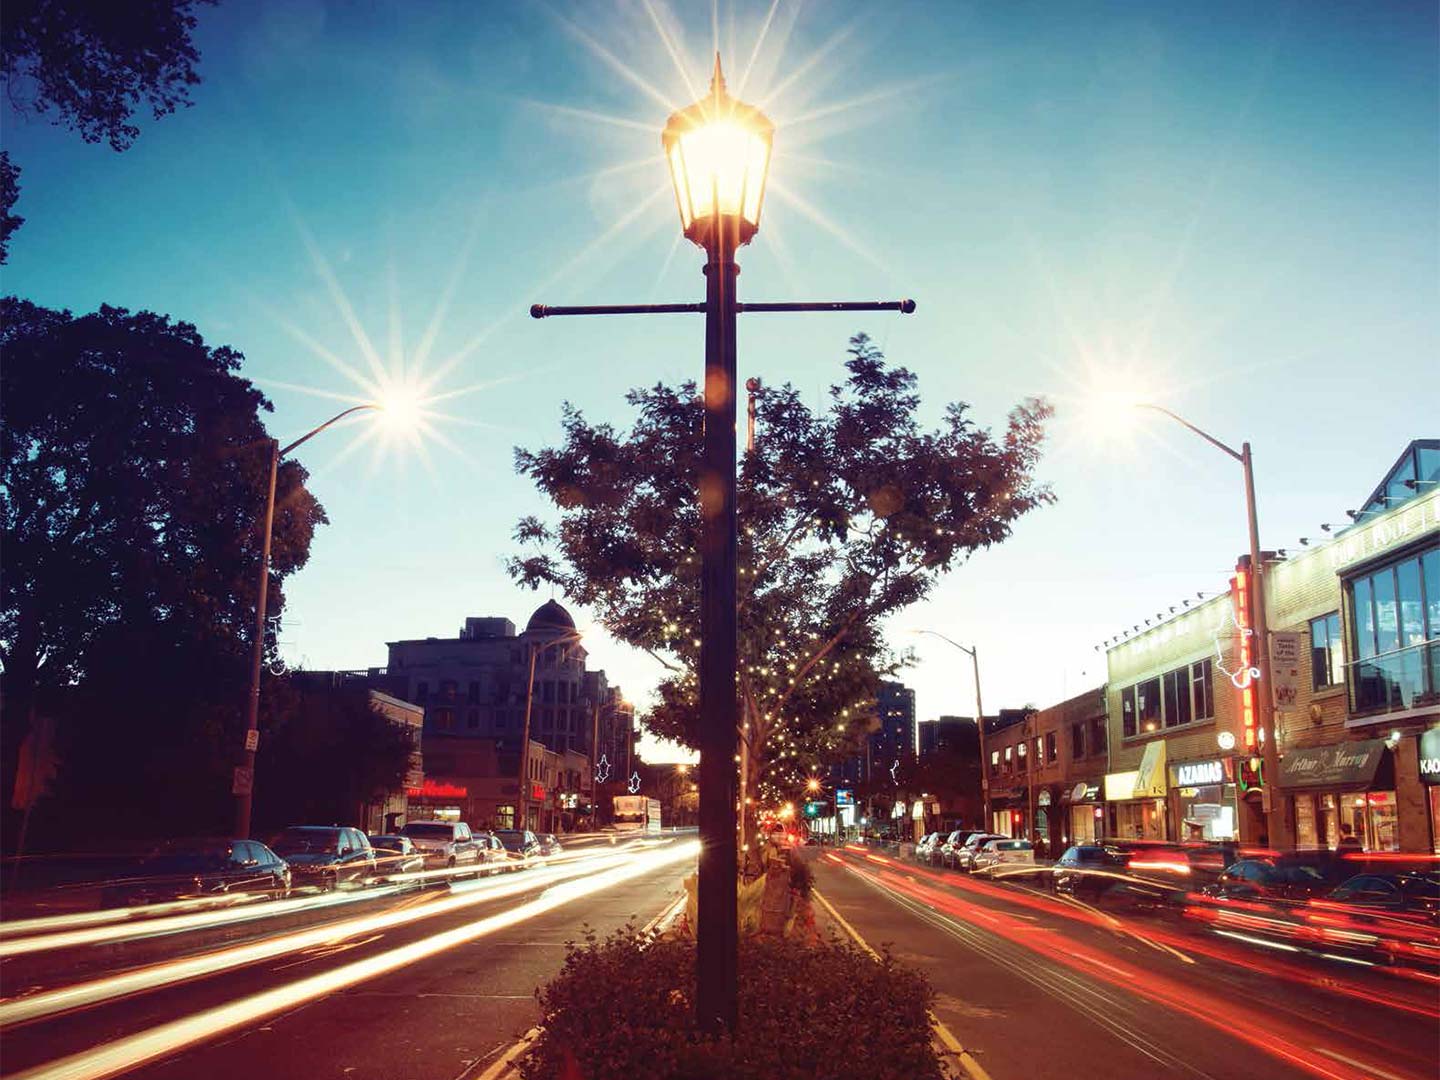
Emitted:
<point x="79" y="995"/>
<point x="127" y="1053"/>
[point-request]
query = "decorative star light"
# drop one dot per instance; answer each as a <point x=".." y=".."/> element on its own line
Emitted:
<point x="893" y="766"/>
<point x="602" y="769"/>
<point x="634" y="784"/>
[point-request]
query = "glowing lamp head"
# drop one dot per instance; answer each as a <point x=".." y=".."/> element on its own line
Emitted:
<point x="400" y="407"/>
<point x="812" y="784"/>
<point x="718" y="150"/>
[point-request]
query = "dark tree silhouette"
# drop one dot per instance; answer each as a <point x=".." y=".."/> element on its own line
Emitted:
<point x="9" y="192"/>
<point x="847" y="516"/>
<point x="90" y="64"/>
<point x="132" y="492"/>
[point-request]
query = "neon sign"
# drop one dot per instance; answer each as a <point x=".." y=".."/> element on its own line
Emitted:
<point x="434" y="789"/>
<point x="602" y="769"/>
<point x="1244" y="679"/>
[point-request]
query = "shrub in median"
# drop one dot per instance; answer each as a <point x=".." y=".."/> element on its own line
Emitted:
<point x="621" y="1008"/>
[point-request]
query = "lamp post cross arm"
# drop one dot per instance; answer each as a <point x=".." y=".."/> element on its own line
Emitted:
<point x="333" y="420"/>
<point x="545" y="311"/>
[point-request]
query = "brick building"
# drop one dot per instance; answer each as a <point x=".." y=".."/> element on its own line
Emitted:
<point x="1355" y="645"/>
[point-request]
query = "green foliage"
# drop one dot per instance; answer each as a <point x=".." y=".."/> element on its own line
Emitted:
<point x="622" y="1008"/>
<point x="847" y="516"/>
<point x="94" y="62"/>
<point x="133" y="470"/>
<point x="326" y="754"/>
<point x="9" y="192"/>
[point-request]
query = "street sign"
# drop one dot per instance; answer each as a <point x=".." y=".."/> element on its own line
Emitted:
<point x="844" y="797"/>
<point x="252" y="740"/>
<point x="242" y="780"/>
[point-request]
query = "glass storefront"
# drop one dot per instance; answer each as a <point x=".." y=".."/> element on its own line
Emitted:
<point x="1323" y="819"/>
<point x="1140" y="819"/>
<point x="1208" y="813"/>
<point x="1434" y="796"/>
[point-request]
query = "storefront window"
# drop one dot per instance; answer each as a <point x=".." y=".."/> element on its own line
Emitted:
<point x="1306" y="833"/>
<point x="1382" y="829"/>
<point x="1083" y="823"/>
<point x="505" y="817"/>
<point x="1143" y="820"/>
<point x="1434" y="792"/>
<point x="1208" y="813"/>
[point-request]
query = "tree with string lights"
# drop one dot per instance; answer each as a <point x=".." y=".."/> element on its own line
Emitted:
<point x="848" y="514"/>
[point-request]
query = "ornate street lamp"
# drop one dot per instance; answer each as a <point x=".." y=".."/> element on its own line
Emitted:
<point x="718" y="151"/>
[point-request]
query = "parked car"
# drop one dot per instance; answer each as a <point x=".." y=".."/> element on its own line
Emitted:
<point x="1088" y="870"/>
<point x="1291" y="877"/>
<point x="492" y="852"/>
<point x="549" y="845"/>
<point x="326" y="855"/>
<point x="395" y="854"/>
<point x="1411" y="893"/>
<point x="995" y="853"/>
<point x="181" y="869"/>
<point x="966" y="852"/>
<point x="928" y="843"/>
<point x="519" y="843"/>
<point x="951" y="846"/>
<point x="445" y="844"/>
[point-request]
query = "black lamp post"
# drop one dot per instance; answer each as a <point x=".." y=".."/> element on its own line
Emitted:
<point x="718" y="151"/>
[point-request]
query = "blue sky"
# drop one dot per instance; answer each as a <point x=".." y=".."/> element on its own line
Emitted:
<point x="1231" y="208"/>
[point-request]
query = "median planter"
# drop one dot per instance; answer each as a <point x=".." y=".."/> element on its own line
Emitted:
<point x="622" y="1008"/>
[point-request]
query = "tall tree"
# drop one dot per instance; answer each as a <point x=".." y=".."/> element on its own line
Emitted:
<point x="847" y="516"/>
<point x="89" y="64"/>
<point x="132" y="492"/>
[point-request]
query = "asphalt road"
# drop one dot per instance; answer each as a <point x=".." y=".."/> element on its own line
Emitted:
<point x="1039" y="989"/>
<point x="426" y="984"/>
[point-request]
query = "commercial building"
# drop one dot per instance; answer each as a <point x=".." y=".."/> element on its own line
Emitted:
<point x="935" y="734"/>
<point x="1009" y="742"/>
<point x="477" y="687"/>
<point x="1354" y="616"/>
<point x="895" y="741"/>
<point x="1071" y="754"/>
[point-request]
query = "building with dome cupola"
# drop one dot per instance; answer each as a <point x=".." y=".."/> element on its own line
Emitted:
<point x="474" y="689"/>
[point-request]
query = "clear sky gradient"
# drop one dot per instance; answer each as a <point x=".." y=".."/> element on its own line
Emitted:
<point x="1231" y="208"/>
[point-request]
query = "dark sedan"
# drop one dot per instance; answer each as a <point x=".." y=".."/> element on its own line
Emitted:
<point x="182" y="869"/>
<point x="519" y="843"/>
<point x="1088" y="871"/>
<point x="326" y="856"/>
<point x="1281" y="877"/>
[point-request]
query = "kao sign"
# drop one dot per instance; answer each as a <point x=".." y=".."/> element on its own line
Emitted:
<point x="1430" y="756"/>
<point x="1200" y="774"/>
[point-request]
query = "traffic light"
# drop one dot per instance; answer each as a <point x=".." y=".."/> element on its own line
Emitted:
<point x="812" y="809"/>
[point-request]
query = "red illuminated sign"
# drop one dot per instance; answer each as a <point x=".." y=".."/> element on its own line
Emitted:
<point x="537" y="791"/>
<point x="1240" y="596"/>
<point x="434" y="789"/>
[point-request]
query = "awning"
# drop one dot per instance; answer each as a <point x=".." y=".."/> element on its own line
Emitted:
<point x="1150" y="777"/>
<point x="1346" y="765"/>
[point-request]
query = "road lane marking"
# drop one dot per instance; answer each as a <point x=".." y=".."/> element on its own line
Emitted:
<point x="967" y="1060"/>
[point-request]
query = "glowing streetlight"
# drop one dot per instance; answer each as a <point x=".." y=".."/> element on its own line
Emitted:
<point x="812" y="784"/>
<point x="718" y="151"/>
<point x="399" y="409"/>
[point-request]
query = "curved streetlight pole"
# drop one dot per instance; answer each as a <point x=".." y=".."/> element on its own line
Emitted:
<point x="1275" y="821"/>
<point x="243" y="781"/>
<point x="974" y="654"/>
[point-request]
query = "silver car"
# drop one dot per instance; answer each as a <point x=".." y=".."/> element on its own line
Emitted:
<point x="965" y="854"/>
<point x="445" y="844"/>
